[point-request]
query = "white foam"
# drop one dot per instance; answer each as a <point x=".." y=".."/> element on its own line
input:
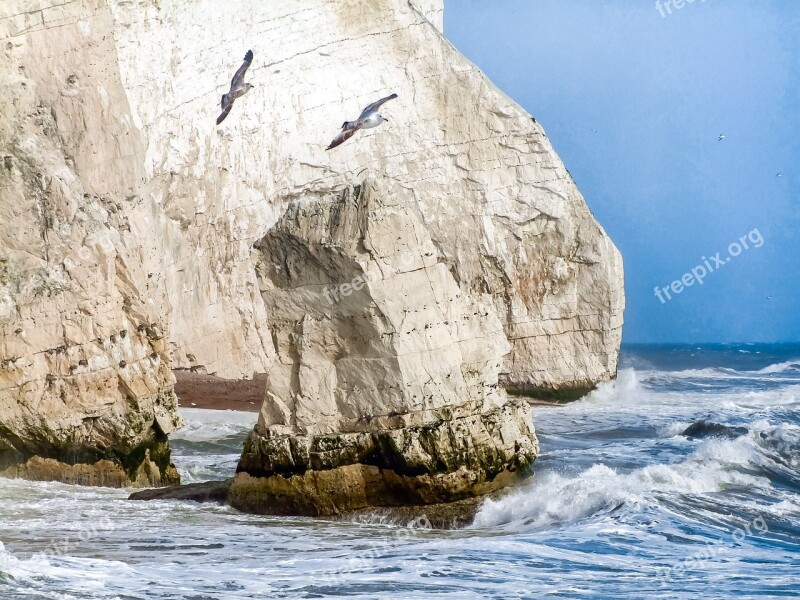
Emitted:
<point x="707" y="373"/>
<point x="782" y="367"/>
<point x="7" y="562"/>
<point x="553" y="499"/>
<point x="204" y="424"/>
<point x="42" y="571"/>
<point x="746" y="401"/>
<point x="625" y="389"/>
<point x="788" y="508"/>
<point x="781" y="441"/>
<point x="725" y="372"/>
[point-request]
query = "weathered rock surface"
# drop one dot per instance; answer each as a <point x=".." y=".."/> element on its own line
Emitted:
<point x="401" y="305"/>
<point x="384" y="390"/>
<point x="449" y="515"/>
<point x="372" y="330"/>
<point x="490" y="191"/>
<point x="125" y="209"/>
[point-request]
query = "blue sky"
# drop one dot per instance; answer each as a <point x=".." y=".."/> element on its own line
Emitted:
<point x="634" y="102"/>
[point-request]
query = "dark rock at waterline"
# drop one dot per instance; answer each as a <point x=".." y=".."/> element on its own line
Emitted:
<point x="448" y="515"/>
<point x="444" y="515"/>
<point x="705" y="429"/>
<point x="207" y="491"/>
<point x="46" y="459"/>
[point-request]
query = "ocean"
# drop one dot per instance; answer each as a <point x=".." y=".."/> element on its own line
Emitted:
<point x="622" y="505"/>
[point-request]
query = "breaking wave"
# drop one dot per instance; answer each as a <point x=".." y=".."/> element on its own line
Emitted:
<point x="757" y="461"/>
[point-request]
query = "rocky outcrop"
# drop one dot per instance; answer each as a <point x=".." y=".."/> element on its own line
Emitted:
<point x="448" y="515"/>
<point x="370" y="326"/>
<point x="705" y="429"/>
<point x="215" y="492"/>
<point x="448" y="459"/>
<point x="460" y="263"/>
<point x="126" y="209"/>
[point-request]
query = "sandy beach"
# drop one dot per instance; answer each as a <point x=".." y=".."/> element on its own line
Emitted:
<point x="200" y="390"/>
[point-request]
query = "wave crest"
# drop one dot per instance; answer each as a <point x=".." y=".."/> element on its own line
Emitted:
<point x="554" y="499"/>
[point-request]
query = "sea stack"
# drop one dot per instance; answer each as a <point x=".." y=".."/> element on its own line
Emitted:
<point x="384" y="390"/>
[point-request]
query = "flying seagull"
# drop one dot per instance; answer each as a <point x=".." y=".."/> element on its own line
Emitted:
<point x="239" y="87"/>
<point x="369" y="117"/>
<point x="721" y="137"/>
<point x="779" y="174"/>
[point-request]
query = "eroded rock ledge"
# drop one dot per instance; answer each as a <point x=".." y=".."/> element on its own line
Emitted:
<point x="441" y="462"/>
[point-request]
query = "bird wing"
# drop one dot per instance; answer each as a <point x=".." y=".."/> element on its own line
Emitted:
<point x="376" y="105"/>
<point x="226" y="108"/>
<point x="238" y="78"/>
<point x="345" y="134"/>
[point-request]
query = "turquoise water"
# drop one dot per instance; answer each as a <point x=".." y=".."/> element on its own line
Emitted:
<point x="621" y="506"/>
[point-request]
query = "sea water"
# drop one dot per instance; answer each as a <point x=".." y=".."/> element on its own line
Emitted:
<point x="621" y="506"/>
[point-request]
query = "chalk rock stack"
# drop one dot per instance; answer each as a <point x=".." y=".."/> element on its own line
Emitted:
<point x="384" y="390"/>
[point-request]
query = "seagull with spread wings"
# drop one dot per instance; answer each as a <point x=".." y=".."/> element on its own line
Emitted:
<point x="239" y="87"/>
<point x="369" y="117"/>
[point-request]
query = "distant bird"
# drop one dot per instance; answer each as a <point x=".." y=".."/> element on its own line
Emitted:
<point x="369" y="117"/>
<point x="769" y="297"/>
<point x="239" y="87"/>
<point x="721" y="137"/>
<point x="779" y="174"/>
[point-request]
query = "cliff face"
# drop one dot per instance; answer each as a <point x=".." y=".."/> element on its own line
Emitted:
<point x="85" y="386"/>
<point x="479" y="265"/>
<point x="484" y="176"/>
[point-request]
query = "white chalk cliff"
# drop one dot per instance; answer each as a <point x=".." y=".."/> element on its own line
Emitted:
<point x="124" y="208"/>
